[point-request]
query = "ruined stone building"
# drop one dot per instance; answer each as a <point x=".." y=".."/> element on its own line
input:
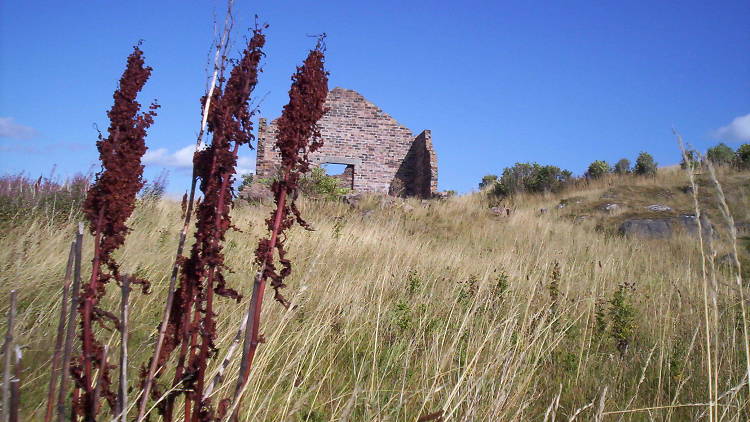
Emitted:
<point x="380" y="155"/>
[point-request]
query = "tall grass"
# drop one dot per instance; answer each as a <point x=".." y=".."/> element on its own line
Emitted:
<point x="396" y="333"/>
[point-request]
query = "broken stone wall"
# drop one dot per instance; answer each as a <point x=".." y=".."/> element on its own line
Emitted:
<point x="417" y="175"/>
<point x="372" y="144"/>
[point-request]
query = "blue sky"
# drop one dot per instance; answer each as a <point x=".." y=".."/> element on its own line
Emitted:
<point x="561" y="83"/>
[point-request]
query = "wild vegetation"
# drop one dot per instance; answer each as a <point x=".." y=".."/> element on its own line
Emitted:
<point x="458" y="314"/>
<point x="188" y="325"/>
<point x="396" y="309"/>
<point x="524" y="178"/>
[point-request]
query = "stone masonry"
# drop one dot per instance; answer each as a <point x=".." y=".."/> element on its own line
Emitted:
<point x="380" y="155"/>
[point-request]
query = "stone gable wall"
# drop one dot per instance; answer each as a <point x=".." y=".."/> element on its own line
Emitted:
<point x="357" y="133"/>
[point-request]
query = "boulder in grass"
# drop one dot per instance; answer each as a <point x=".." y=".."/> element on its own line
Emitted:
<point x="664" y="228"/>
<point x="658" y="208"/>
<point x="352" y="199"/>
<point x="610" y="208"/>
<point x="256" y="193"/>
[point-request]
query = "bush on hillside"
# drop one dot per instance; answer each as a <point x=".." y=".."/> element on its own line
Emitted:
<point x="622" y="166"/>
<point x="531" y="178"/>
<point x="720" y="155"/>
<point x="318" y="184"/>
<point x="487" y="181"/>
<point x="645" y="165"/>
<point x="693" y="160"/>
<point x="742" y="157"/>
<point x="597" y="169"/>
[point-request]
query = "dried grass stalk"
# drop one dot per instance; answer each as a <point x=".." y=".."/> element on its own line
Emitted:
<point x="56" y="358"/>
<point x="122" y="392"/>
<point x="15" y="386"/>
<point x="62" y="392"/>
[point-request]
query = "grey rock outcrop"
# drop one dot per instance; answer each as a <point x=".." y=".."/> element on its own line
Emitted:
<point x="663" y="228"/>
<point x="255" y="193"/>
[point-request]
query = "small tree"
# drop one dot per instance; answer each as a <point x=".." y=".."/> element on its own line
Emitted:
<point x="742" y="157"/>
<point x="622" y="166"/>
<point x="487" y="181"/>
<point x="645" y="165"/>
<point x="597" y="169"/>
<point x="720" y="155"/>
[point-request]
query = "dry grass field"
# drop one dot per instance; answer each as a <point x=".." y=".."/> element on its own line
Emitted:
<point x="406" y="309"/>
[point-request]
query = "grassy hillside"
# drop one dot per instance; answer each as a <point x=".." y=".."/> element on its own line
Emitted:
<point x="404" y="310"/>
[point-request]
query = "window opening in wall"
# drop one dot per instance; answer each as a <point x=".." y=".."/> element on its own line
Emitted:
<point x="334" y="169"/>
<point x="343" y="172"/>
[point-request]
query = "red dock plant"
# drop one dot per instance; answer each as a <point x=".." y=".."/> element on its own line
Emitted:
<point x="298" y="136"/>
<point x="109" y="203"/>
<point x="191" y="325"/>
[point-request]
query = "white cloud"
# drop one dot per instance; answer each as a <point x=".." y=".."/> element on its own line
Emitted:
<point x="182" y="158"/>
<point x="245" y="165"/>
<point x="10" y="129"/>
<point x="738" y="130"/>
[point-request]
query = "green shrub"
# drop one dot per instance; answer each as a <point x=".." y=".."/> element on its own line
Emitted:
<point x="720" y="155"/>
<point x="622" y="314"/>
<point x="597" y="169"/>
<point x="502" y="285"/>
<point x="622" y="166"/>
<point x="318" y="184"/>
<point x="742" y="157"/>
<point x="645" y="165"/>
<point x="693" y="160"/>
<point x="487" y="181"/>
<point x="531" y="178"/>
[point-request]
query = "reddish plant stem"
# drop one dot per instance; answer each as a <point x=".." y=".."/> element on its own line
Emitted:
<point x="208" y="318"/>
<point x="207" y="321"/>
<point x="154" y="366"/>
<point x="55" y="371"/>
<point x="76" y="397"/>
<point x="87" y="334"/>
<point x="254" y="310"/>
<point x="193" y="347"/>
<point x="180" y="368"/>
<point x="97" y="390"/>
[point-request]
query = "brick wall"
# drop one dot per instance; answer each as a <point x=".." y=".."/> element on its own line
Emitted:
<point x="380" y="152"/>
<point x="417" y="175"/>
